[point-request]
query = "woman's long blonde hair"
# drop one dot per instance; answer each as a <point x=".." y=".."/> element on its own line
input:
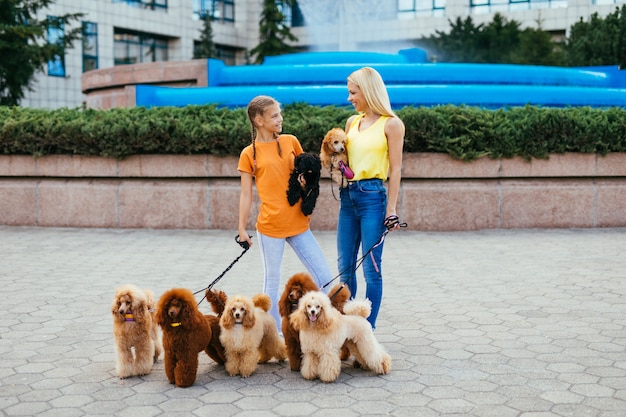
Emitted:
<point x="374" y="90"/>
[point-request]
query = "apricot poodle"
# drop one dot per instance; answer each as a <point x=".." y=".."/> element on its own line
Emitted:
<point x="323" y="331"/>
<point x="249" y="334"/>
<point x="186" y="332"/>
<point x="334" y="156"/>
<point x="298" y="285"/>
<point x="137" y="342"/>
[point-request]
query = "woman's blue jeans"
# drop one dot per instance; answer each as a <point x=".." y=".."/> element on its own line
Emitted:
<point x="361" y="222"/>
<point x="308" y="251"/>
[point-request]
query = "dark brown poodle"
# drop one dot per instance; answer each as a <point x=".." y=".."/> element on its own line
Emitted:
<point x="186" y="332"/>
<point x="298" y="285"/>
<point x="304" y="181"/>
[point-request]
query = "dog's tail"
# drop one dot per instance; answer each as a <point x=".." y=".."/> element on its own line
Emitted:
<point x="217" y="299"/>
<point x="150" y="304"/>
<point x="262" y="301"/>
<point x="361" y="308"/>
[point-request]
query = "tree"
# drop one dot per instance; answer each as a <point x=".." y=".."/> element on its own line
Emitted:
<point x="500" y="42"/>
<point x="538" y="48"/>
<point x="457" y="46"/>
<point x="205" y="48"/>
<point x="273" y="31"/>
<point x="599" y="41"/>
<point x="23" y="45"/>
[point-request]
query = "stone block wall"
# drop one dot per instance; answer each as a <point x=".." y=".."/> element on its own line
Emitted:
<point x="438" y="193"/>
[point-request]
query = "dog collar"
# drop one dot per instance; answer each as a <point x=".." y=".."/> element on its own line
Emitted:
<point x="176" y="324"/>
<point x="129" y="316"/>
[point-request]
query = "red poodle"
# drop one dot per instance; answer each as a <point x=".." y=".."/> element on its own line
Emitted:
<point x="186" y="332"/>
<point x="298" y="285"/>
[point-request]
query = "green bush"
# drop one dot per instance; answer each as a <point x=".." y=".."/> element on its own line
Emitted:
<point x="464" y="132"/>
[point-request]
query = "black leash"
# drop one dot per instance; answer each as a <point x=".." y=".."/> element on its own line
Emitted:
<point x="245" y="245"/>
<point x="390" y="223"/>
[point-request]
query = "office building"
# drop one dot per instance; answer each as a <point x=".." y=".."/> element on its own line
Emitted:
<point x="123" y="32"/>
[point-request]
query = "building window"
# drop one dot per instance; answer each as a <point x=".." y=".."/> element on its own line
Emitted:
<point x="90" y="46"/>
<point x="217" y="10"/>
<point x="492" y="6"/>
<point x="145" y="4"/>
<point x="293" y="14"/>
<point x="410" y="9"/>
<point x="135" y="47"/>
<point x="54" y="35"/>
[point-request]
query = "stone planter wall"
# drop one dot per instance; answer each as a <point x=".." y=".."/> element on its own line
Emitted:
<point x="202" y="192"/>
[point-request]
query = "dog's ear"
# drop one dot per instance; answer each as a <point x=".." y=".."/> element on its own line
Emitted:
<point x="161" y="312"/>
<point x="115" y="306"/>
<point x="249" y="318"/>
<point x="284" y="305"/>
<point x="139" y="306"/>
<point x="227" y="320"/>
<point x="162" y="316"/>
<point x="294" y="191"/>
<point x="298" y="318"/>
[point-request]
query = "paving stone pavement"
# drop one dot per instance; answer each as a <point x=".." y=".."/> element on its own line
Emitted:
<point x="490" y="323"/>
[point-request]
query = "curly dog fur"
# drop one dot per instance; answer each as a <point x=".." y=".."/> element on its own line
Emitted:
<point x="134" y="329"/>
<point x="186" y="332"/>
<point x="323" y="330"/>
<point x="249" y="334"/>
<point x="334" y="156"/>
<point x="298" y="285"/>
<point x="304" y="182"/>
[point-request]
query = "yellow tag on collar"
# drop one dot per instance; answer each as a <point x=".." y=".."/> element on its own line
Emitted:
<point x="176" y="324"/>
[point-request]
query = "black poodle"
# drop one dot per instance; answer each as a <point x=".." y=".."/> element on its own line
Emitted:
<point x="304" y="181"/>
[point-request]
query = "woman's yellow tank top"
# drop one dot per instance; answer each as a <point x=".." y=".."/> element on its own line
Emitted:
<point x="368" y="151"/>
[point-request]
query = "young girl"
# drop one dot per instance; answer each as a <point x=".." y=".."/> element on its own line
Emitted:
<point x="269" y="160"/>
<point x="375" y="141"/>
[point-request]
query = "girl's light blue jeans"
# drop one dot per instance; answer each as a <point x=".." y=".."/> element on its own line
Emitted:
<point x="308" y="251"/>
<point x="361" y="222"/>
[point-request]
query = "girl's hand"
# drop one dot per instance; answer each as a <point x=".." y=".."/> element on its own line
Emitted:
<point x="302" y="180"/>
<point x="244" y="239"/>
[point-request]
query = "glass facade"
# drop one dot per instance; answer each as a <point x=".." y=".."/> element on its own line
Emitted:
<point x="409" y="9"/>
<point x="218" y="10"/>
<point x="90" y="46"/>
<point x="136" y="47"/>
<point x="145" y="4"/>
<point x="56" y="66"/>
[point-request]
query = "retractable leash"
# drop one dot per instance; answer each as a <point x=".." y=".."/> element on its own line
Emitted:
<point x="390" y="223"/>
<point x="245" y="245"/>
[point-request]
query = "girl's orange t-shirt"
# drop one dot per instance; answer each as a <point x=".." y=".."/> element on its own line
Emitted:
<point x="276" y="217"/>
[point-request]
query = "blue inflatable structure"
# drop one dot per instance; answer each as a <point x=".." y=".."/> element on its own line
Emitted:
<point x="319" y="79"/>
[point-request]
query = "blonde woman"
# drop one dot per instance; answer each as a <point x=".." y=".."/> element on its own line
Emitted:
<point x="375" y="142"/>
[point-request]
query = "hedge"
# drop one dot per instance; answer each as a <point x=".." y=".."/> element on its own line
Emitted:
<point x="464" y="132"/>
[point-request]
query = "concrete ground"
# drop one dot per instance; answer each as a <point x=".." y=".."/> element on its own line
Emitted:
<point x="500" y="323"/>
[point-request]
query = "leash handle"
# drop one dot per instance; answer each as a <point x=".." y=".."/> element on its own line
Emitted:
<point x="345" y="170"/>
<point x="245" y="245"/>
<point x="393" y="221"/>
